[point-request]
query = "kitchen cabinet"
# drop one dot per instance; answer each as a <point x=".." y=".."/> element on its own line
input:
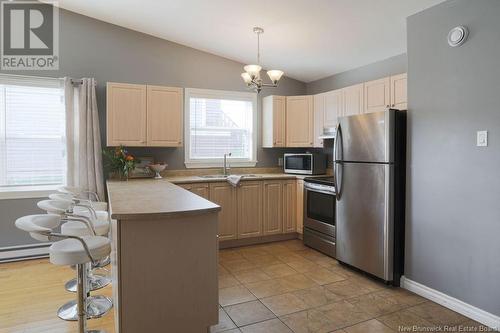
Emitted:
<point x="333" y="108"/>
<point x="377" y="95"/>
<point x="289" y="206"/>
<point x="273" y="121"/>
<point x="141" y="115"/>
<point x="201" y="189"/>
<point x="299" y="121"/>
<point x="273" y="207"/>
<point x="353" y="102"/>
<point x="399" y="96"/>
<point x="126" y="114"/>
<point x="249" y="197"/>
<point x="224" y="195"/>
<point x="164" y="116"/>
<point x="300" y="205"/>
<point x="319" y="110"/>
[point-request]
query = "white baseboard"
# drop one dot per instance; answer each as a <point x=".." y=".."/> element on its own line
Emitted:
<point x="23" y="252"/>
<point x="452" y="303"/>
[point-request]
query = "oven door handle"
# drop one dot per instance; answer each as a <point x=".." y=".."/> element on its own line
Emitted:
<point x="318" y="189"/>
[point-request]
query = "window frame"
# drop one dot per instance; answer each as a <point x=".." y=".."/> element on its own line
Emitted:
<point x="218" y="94"/>
<point x="28" y="191"/>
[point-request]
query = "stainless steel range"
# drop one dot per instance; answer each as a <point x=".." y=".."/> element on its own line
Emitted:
<point x="319" y="214"/>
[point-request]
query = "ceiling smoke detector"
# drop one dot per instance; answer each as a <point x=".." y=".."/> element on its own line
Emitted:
<point x="457" y="36"/>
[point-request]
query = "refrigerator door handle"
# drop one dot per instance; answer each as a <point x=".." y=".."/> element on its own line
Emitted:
<point x="337" y="161"/>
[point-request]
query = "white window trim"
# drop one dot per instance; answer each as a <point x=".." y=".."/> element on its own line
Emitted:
<point x="221" y="94"/>
<point x="30" y="191"/>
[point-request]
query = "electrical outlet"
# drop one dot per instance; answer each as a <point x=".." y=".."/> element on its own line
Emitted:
<point x="482" y="139"/>
<point x="280" y="161"/>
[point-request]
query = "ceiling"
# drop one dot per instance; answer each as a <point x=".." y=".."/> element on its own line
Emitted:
<point x="308" y="39"/>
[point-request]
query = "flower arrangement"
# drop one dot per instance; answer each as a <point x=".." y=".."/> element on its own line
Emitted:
<point x="119" y="160"/>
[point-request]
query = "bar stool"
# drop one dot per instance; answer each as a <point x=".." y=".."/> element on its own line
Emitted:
<point x="70" y="251"/>
<point x="96" y="205"/>
<point x="79" y="226"/>
<point x="78" y="192"/>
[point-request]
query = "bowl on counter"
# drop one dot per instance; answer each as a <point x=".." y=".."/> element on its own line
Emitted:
<point x="157" y="168"/>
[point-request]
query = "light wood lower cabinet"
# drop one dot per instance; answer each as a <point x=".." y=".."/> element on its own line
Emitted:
<point x="224" y="195"/>
<point x="249" y="196"/>
<point x="273" y="203"/>
<point x="300" y="205"/>
<point x="289" y="205"/>
<point x="201" y="189"/>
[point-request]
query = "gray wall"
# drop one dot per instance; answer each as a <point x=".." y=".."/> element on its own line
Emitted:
<point x="92" y="48"/>
<point x="377" y="70"/>
<point x="453" y="217"/>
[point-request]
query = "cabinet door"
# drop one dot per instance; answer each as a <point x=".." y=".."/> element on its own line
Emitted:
<point x="399" y="96"/>
<point x="273" y="121"/>
<point x="126" y="114"/>
<point x="299" y="121"/>
<point x="319" y="107"/>
<point x="377" y="96"/>
<point x="333" y="108"/>
<point x="289" y="206"/>
<point x="249" y="195"/>
<point x="224" y="195"/>
<point x="353" y="99"/>
<point x="273" y="207"/>
<point x="300" y="205"/>
<point x="164" y="110"/>
<point x="198" y="189"/>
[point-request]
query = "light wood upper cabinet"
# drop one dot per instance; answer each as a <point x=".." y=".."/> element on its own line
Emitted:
<point x="224" y="195"/>
<point x="273" y="121"/>
<point x="249" y="209"/>
<point x="200" y="189"/>
<point x="333" y="108"/>
<point x="289" y="206"/>
<point x="353" y="100"/>
<point x="319" y="109"/>
<point x="300" y="206"/>
<point x="164" y="116"/>
<point x="126" y="114"/>
<point x="399" y="96"/>
<point x="273" y="207"/>
<point x="377" y="95"/>
<point x="141" y="115"/>
<point x="299" y="121"/>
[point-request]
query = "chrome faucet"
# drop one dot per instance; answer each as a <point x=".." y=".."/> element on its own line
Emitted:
<point x="225" y="168"/>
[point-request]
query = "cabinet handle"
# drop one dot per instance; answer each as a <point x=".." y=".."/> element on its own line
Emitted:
<point x="393" y="105"/>
<point x="387" y="105"/>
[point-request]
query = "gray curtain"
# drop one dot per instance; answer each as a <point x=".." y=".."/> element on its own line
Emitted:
<point x="83" y="137"/>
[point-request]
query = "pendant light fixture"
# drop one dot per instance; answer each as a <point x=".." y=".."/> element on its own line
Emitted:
<point x="251" y="76"/>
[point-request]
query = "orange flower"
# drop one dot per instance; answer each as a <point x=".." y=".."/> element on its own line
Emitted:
<point x="129" y="158"/>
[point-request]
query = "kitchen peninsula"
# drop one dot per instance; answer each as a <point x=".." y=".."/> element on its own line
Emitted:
<point x="164" y="257"/>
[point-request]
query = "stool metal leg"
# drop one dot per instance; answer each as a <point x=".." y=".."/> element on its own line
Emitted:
<point x="97" y="281"/>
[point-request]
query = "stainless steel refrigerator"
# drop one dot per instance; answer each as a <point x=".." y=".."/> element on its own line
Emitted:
<point x="369" y="166"/>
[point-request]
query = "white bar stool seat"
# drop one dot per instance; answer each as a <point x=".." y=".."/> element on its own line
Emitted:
<point x="77" y="228"/>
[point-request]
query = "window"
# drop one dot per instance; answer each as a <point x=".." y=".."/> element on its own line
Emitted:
<point x="219" y="122"/>
<point x="32" y="133"/>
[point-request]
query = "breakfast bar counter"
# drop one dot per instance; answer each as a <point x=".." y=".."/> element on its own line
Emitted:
<point x="164" y="257"/>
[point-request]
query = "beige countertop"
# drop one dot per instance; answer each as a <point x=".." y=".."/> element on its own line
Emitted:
<point x="258" y="176"/>
<point x="153" y="199"/>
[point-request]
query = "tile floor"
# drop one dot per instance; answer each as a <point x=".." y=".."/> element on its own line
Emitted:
<point x="287" y="287"/>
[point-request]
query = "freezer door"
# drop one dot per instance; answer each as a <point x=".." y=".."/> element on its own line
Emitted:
<point x="367" y="137"/>
<point x="364" y="217"/>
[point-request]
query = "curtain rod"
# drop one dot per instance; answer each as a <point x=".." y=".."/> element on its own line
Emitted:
<point x="80" y="81"/>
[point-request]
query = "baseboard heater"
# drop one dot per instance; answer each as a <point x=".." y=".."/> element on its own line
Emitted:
<point x="24" y="252"/>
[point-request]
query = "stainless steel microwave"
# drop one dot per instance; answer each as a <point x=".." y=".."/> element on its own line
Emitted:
<point x="305" y="164"/>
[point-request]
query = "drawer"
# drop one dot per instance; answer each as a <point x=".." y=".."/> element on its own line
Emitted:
<point x="320" y="242"/>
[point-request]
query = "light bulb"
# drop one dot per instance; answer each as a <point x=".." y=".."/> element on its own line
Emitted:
<point x="252" y="70"/>
<point x="275" y="75"/>
<point x="246" y="77"/>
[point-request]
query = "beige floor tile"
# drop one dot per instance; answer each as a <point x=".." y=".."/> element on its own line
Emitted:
<point x="310" y="254"/>
<point x="343" y="270"/>
<point x="348" y="288"/>
<point x="298" y="281"/>
<point x="276" y="248"/>
<point x="265" y="260"/>
<point x="234" y="295"/>
<point x="227" y="280"/>
<point x="225" y="323"/>
<point x="323" y="276"/>
<point x="303" y="265"/>
<point x="222" y="270"/>
<point x="251" y="275"/>
<point x="287" y="257"/>
<point x="229" y="254"/>
<point x="370" y="326"/>
<point x="308" y="321"/>
<point x="267" y="288"/>
<point x="325" y="261"/>
<point x="253" y="251"/>
<point x="238" y="265"/>
<point x="295" y="244"/>
<point x="316" y="296"/>
<point x="473" y="326"/>
<point x="234" y="330"/>
<point x="404" y="320"/>
<point x="437" y="314"/>
<point x="248" y="313"/>
<point x="284" y="304"/>
<point x="401" y="296"/>
<point x="268" y="326"/>
<point x="279" y="270"/>
<point x="370" y="283"/>
<point x="342" y="314"/>
<point x="376" y="305"/>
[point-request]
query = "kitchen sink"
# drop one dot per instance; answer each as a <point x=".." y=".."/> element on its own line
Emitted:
<point x="213" y="176"/>
<point x="223" y="176"/>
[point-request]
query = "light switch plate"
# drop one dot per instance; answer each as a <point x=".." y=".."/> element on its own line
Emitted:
<point x="482" y="139"/>
<point x="280" y="161"/>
